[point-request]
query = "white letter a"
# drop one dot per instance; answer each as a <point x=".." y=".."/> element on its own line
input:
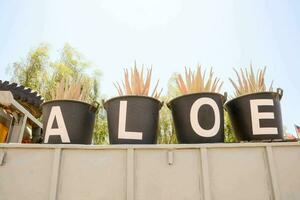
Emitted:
<point x="61" y="130"/>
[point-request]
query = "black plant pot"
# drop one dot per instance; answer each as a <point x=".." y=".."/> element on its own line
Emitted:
<point x="199" y="117"/>
<point x="256" y="116"/>
<point x="132" y="119"/>
<point x="68" y="121"/>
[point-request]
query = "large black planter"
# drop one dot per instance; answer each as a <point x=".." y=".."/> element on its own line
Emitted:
<point x="68" y="121"/>
<point x="199" y="117"/>
<point x="132" y="119"/>
<point x="256" y="116"/>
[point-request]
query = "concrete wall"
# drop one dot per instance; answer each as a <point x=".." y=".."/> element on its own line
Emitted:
<point x="254" y="171"/>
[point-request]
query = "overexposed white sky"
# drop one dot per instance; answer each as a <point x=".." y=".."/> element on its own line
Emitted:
<point x="168" y="34"/>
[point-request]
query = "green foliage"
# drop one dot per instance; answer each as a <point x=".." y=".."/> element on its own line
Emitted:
<point x="173" y="90"/>
<point x="228" y="130"/>
<point x="100" y="135"/>
<point x="32" y="72"/>
<point x="42" y="74"/>
<point x="166" y="127"/>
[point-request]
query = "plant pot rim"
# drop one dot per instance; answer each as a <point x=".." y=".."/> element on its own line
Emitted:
<point x="132" y="96"/>
<point x="67" y="100"/>
<point x="197" y="93"/>
<point x="254" y="93"/>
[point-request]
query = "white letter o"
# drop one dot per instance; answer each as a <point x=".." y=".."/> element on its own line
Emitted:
<point x="194" y="117"/>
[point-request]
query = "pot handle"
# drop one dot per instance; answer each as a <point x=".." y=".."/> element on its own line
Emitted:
<point x="168" y="105"/>
<point x="161" y="104"/>
<point x="280" y="93"/>
<point x="95" y="104"/>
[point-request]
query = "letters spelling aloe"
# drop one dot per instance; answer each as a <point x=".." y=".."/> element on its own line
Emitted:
<point x="197" y="113"/>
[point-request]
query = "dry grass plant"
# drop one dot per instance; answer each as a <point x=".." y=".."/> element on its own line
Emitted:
<point x="248" y="82"/>
<point x="135" y="84"/>
<point x="195" y="82"/>
<point x="71" y="89"/>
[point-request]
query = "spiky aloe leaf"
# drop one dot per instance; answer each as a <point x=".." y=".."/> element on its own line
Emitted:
<point x="195" y="82"/>
<point x="136" y="83"/>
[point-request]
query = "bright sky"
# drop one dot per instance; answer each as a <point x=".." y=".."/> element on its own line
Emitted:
<point x="167" y="34"/>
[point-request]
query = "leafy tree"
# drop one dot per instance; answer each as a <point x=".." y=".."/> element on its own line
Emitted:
<point x="41" y="74"/>
<point x="100" y="135"/>
<point x="228" y="130"/>
<point x="32" y="72"/>
<point x="166" y="126"/>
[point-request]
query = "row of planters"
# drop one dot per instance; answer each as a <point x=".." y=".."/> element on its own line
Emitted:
<point x="198" y="112"/>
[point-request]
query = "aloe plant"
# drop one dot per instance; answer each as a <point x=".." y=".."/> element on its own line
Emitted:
<point x="250" y="82"/>
<point x="195" y="81"/>
<point x="71" y="89"/>
<point x="135" y="84"/>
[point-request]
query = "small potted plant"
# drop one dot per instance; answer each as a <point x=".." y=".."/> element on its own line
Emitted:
<point x="133" y="116"/>
<point x="198" y="113"/>
<point x="70" y="116"/>
<point x="255" y="111"/>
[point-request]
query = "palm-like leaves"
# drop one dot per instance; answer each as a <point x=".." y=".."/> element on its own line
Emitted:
<point x="195" y="82"/>
<point x="135" y="83"/>
<point x="249" y="82"/>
